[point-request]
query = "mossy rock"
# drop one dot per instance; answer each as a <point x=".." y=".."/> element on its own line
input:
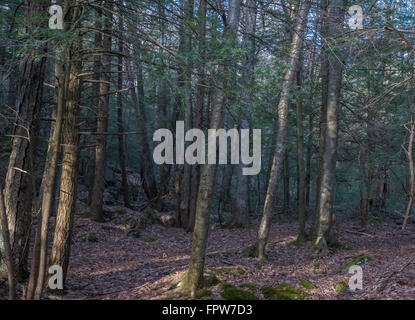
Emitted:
<point x="316" y="265"/>
<point x="307" y="284"/>
<point x="202" y="293"/>
<point x="230" y="292"/>
<point x="283" y="292"/>
<point x="249" y="286"/>
<point x="359" y="260"/>
<point x="341" y="286"/>
<point x="149" y="239"/>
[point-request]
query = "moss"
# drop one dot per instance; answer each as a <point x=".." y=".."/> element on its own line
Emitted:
<point x="230" y="292"/>
<point x="149" y="239"/>
<point x="241" y="270"/>
<point x="296" y="242"/>
<point x="359" y="260"/>
<point x="307" y="284"/>
<point x="340" y="286"/>
<point x="283" y="292"/>
<point x="316" y="265"/>
<point x="220" y="271"/>
<point x="249" y="286"/>
<point x="201" y="293"/>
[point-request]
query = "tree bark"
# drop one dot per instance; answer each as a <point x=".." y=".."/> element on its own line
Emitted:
<point x="325" y="214"/>
<point x="301" y="170"/>
<point x="120" y="124"/>
<point x="279" y="154"/>
<point x="102" y="122"/>
<point x="61" y="245"/>
<point x="240" y="208"/>
<point x="18" y="190"/>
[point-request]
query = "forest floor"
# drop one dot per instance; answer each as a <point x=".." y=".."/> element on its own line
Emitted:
<point x="108" y="263"/>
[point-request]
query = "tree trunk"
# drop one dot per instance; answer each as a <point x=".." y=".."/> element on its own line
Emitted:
<point x="6" y="248"/>
<point x="279" y="154"/>
<point x="323" y="235"/>
<point x="198" y="118"/>
<point x="301" y="170"/>
<point x="412" y="175"/>
<point x="146" y="161"/>
<point x="240" y="208"/>
<point x="120" y="124"/>
<point x="102" y="123"/>
<point x="61" y="245"/>
<point x="18" y="190"/>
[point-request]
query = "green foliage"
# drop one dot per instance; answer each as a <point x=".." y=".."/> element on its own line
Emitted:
<point x="307" y="284"/>
<point x="359" y="260"/>
<point x="149" y="239"/>
<point x="230" y="292"/>
<point x="249" y="286"/>
<point x="341" y="286"/>
<point x="283" y="292"/>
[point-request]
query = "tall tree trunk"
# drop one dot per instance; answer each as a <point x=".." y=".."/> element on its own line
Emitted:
<point x="186" y="82"/>
<point x="323" y="111"/>
<point x="277" y="165"/>
<point x="301" y="209"/>
<point x="326" y="192"/>
<point x="19" y="184"/>
<point x="95" y="98"/>
<point x="102" y="122"/>
<point x="61" y="245"/>
<point x="412" y="174"/>
<point x="194" y="275"/>
<point x="240" y="208"/>
<point x="146" y="161"/>
<point x="47" y="189"/>
<point x="198" y="118"/>
<point x="120" y="124"/>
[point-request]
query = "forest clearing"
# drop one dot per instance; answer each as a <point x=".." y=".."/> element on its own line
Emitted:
<point x="207" y="150"/>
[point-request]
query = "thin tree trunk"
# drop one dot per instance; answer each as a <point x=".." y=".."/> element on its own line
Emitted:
<point x="200" y="96"/>
<point x="102" y="123"/>
<point x="325" y="214"/>
<point x="120" y="124"/>
<point x="412" y="175"/>
<point x="6" y="248"/>
<point x="277" y="165"/>
<point x="323" y="111"/>
<point x="240" y="208"/>
<point x="194" y="275"/>
<point x="301" y="170"/>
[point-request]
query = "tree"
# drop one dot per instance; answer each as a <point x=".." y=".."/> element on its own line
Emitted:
<point x="325" y="203"/>
<point x="293" y="63"/>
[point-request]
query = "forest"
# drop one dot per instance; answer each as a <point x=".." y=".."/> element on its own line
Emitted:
<point x="207" y="149"/>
